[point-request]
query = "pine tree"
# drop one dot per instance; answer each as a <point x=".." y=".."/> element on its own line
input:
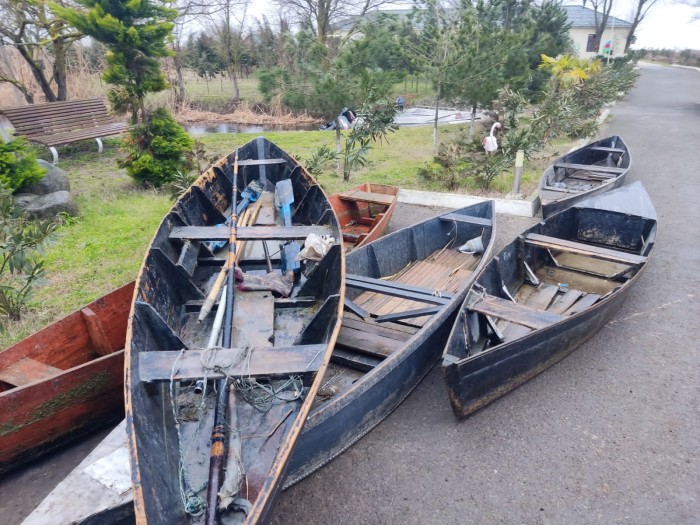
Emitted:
<point x="136" y="33"/>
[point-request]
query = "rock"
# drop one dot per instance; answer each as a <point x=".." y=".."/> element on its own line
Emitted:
<point x="48" y="197"/>
<point x="55" y="180"/>
<point x="48" y="205"/>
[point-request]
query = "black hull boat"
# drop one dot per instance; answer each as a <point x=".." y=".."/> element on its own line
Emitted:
<point x="591" y="170"/>
<point x="402" y="295"/>
<point x="243" y="401"/>
<point x="546" y="293"/>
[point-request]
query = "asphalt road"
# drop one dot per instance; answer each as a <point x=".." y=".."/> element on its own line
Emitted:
<point x="609" y="435"/>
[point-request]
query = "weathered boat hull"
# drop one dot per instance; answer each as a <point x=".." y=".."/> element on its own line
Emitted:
<point x="334" y="426"/>
<point x="74" y="390"/>
<point x="176" y="272"/>
<point x="476" y="379"/>
<point x="552" y="203"/>
<point x="355" y="215"/>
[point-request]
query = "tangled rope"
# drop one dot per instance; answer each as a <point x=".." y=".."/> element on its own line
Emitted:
<point x="262" y="395"/>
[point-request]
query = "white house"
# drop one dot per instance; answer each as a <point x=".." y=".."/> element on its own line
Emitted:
<point x="582" y="32"/>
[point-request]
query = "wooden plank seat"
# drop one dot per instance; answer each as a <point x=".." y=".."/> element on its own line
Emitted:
<point x="247" y="233"/>
<point x="515" y="313"/>
<point x="607" y="149"/>
<point x="261" y="162"/>
<point x="597" y="252"/>
<point x="27" y="371"/>
<point x="466" y="218"/>
<point x="58" y="123"/>
<point x="248" y="362"/>
<point x="589" y="167"/>
<point x="367" y="196"/>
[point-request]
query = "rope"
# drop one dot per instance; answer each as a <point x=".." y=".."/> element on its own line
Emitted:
<point x="261" y="396"/>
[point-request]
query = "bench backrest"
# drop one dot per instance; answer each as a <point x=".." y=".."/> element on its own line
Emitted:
<point x="58" y="117"/>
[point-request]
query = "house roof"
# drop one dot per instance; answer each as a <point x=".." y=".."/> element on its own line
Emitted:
<point x="580" y="16"/>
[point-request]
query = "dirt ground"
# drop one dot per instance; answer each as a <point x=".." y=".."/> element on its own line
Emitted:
<point x="609" y="435"/>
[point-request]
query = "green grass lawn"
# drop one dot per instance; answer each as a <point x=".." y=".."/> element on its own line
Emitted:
<point x="103" y="247"/>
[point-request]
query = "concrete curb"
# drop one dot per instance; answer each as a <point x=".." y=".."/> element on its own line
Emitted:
<point x="686" y="67"/>
<point x="520" y="208"/>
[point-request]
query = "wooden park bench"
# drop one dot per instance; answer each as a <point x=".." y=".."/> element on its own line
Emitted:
<point x="58" y="123"/>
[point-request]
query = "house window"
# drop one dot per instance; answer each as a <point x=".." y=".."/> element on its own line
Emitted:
<point x="591" y="46"/>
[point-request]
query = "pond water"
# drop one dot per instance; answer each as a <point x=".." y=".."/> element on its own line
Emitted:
<point x="201" y="129"/>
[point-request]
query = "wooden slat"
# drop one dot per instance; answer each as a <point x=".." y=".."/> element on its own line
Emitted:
<point x="396" y="291"/>
<point x="261" y="162"/>
<point x="407" y="314"/>
<point x="361" y="279"/>
<point x="98" y="335"/>
<point x="253" y="319"/>
<point x="361" y="362"/>
<point x="589" y="167"/>
<point x="470" y="219"/>
<point x="367" y="196"/>
<point x="300" y="359"/>
<point x="355" y="308"/>
<point x="606" y="149"/>
<point x="565" y="302"/>
<point x="368" y="343"/>
<point x="597" y="252"/>
<point x="374" y="328"/>
<point x="514" y="312"/>
<point x="541" y="298"/>
<point x="582" y="304"/>
<point x="247" y="233"/>
<point x="27" y="371"/>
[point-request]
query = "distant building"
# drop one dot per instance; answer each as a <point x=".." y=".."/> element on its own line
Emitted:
<point x="582" y="32"/>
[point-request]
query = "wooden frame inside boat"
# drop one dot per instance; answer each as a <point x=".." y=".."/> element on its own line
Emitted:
<point x="280" y="345"/>
<point x="541" y="297"/>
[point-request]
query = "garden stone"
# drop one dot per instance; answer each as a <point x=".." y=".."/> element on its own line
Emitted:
<point x="55" y="180"/>
<point x="49" y="205"/>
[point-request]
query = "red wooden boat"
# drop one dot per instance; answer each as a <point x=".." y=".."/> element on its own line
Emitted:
<point x="364" y="212"/>
<point x="63" y="381"/>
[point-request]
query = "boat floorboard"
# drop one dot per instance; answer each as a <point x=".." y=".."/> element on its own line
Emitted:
<point x="442" y="271"/>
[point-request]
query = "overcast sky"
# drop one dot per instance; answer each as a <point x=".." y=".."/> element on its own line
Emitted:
<point x="666" y="26"/>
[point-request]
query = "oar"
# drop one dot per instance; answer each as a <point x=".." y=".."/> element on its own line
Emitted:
<point x="218" y="433"/>
<point x="248" y="219"/>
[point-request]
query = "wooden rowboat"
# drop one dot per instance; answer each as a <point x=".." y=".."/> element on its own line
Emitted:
<point x="364" y="212"/>
<point x="546" y="293"/>
<point x="279" y="346"/>
<point x="63" y="381"/>
<point x="591" y="170"/>
<point x="402" y="296"/>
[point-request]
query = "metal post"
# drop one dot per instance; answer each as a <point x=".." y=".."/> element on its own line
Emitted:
<point x="519" y="161"/>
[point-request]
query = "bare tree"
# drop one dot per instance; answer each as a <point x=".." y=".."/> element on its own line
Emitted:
<point x="640" y="11"/>
<point x="40" y="38"/>
<point x="228" y="20"/>
<point x="320" y="15"/>
<point x="601" y="13"/>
